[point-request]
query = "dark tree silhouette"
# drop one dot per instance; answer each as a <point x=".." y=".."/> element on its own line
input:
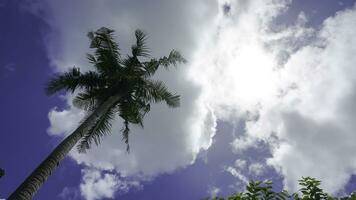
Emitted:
<point x="310" y="190"/>
<point x="117" y="85"/>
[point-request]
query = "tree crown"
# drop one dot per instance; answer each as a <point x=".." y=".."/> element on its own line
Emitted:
<point x="114" y="74"/>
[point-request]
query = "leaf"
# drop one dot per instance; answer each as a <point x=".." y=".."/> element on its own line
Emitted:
<point x="100" y="128"/>
<point x="140" y="48"/>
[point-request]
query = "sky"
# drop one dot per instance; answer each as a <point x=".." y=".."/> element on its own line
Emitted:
<point x="267" y="93"/>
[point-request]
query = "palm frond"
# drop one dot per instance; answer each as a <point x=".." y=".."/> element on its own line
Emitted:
<point x="151" y="67"/>
<point x="67" y="81"/>
<point x="101" y="128"/>
<point x="106" y="56"/>
<point x="90" y="99"/>
<point x="140" y="48"/>
<point x="173" y="58"/>
<point x="91" y="58"/>
<point x="132" y="112"/>
<point x="158" y="92"/>
<point x="125" y="134"/>
<point x="102" y="38"/>
<point x="132" y="67"/>
<point x="86" y="101"/>
<point x="70" y="81"/>
<point x="90" y="80"/>
<point x="127" y="77"/>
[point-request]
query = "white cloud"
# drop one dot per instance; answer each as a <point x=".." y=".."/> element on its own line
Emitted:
<point x="314" y="121"/>
<point x="172" y="138"/>
<point x="236" y="173"/>
<point x="64" y="120"/>
<point x="98" y="185"/>
<point x="294" y="83"/>
<point x="214" y="191"/>
<point x="297" y="83"/>
<point x="236" y="70"/>
<point x="240" y="164"/>
<point x="256" y="169"/>
<point x="242" y="143"/>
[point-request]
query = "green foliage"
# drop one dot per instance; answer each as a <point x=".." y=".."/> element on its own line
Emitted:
<point x="129" y="78"/>
<point x="96" y="132"/>
<point x="258" y="190"/>
<point x="310" y="190"/>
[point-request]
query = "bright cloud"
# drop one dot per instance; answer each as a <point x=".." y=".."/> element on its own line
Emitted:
<point x="236" y="173"/>
<point x="316" y="119"/>
<point x="240" y="164"/>
<point x="99" y="185"/>
<point x="96" y="186"/>
<point x="256" y="168"/>
<point x="172" y="138"/>
<point x="294" y="86"/>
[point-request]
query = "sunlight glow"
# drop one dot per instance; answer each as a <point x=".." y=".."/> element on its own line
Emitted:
<point x="235" y="70"/>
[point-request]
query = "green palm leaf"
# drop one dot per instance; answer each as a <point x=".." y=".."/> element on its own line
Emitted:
<point x="74" y="79"/>
<point x="100" y="128"/>
<point x="127" y="77"/>
<point x="116" y="86"/>
<point x="157" y="92"/>
<point x="140" y="48"/>
<point x="106" y="57"/>
<point x="173" y="59"/>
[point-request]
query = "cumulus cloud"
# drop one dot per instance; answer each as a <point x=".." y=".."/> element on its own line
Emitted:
<point x="240" y="164"/>
<point x="314" y="120"/>
<point x="256" y="168"/>
<point x="294" y="86"/>
<point x="99" y="185"/>
<point x="172" y="138"/>
<point x="238" y="71"/>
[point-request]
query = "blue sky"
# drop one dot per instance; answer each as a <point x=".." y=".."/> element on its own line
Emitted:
<point x="267" y="93"/>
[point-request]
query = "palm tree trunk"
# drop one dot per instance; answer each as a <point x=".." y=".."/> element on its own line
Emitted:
<point x="33" y="182"/>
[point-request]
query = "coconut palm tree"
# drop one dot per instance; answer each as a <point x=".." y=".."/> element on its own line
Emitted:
<point x="117" y="85"/>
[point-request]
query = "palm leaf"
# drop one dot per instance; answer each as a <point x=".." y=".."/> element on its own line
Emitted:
<point x="106" y="56"/>
<point x="67" y="81"/>
<point x="122" y="85"/>
<point x="173" y="58"/>
<point x="140" y="49"/>
<point x="86" y="101"/>
<point x="158" y="92"/>
<point x="127" y="77"/>
<point x="125" y="134"/>
<point x="72" y="80"/>
<point x="131" y="111"/>
<point x="97" y="131"/>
